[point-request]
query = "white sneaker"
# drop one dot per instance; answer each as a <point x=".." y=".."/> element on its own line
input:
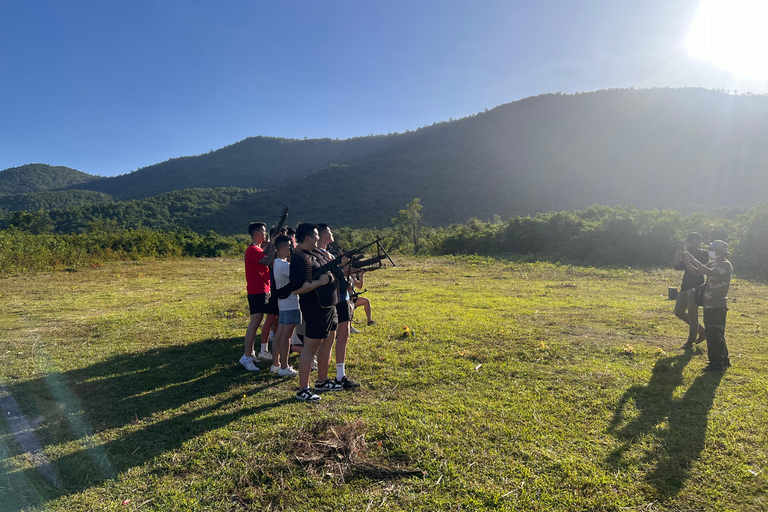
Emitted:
<point x="264" y="356"/>
<point x="274" y="369"/>
<point x="287" y="372"/>
<point x="352" y="330"/>
<point x="247" y="362"/>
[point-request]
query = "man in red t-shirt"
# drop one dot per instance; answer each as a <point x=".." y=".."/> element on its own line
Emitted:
<point x="257" y="262"/>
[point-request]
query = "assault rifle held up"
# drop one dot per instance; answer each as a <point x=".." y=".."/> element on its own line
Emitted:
<point x="335" y="265"/>
<point x="283" y="215"/>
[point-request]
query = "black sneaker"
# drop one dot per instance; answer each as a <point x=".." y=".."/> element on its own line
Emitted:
<point x="306" y="395"/>
<point x="713" y="368"/>
<point x="328" y="385"/>
<point x="345" y="383"/>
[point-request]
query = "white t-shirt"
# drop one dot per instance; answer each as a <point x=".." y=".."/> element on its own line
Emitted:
<point x="282" y="270"/>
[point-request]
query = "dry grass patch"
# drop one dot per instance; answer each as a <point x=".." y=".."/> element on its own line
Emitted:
<point x="339" y="451"/>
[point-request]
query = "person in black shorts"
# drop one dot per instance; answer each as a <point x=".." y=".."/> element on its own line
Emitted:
<point x="257" y="262"/>
<point x="344" y="309"/>
<point x="317" y="300"/>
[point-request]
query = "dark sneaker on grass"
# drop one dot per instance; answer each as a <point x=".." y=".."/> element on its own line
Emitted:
<point x="714" y="368"/>
<point x="306" y="395"/>
<point x="347" y="384"/>
<point x="328" y="385"/>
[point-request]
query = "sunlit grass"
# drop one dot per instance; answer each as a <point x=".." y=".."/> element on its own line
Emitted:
<point x="512" y="385"/>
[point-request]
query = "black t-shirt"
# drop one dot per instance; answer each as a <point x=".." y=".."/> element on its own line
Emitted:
<point x="325" y="295"/>
<point x="690" y="280"/>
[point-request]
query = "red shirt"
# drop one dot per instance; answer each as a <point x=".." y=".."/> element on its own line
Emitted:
<point x="256" y="274"/>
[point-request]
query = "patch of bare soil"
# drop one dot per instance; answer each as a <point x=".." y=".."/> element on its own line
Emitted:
<point x="340" y="451"/>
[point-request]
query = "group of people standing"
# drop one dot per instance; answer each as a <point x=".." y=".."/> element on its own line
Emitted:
<point x="712" y="294"/>
<point x="297" y="294"/>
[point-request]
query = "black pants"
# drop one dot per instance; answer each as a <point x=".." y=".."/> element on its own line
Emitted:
<point x="714" y="327"/>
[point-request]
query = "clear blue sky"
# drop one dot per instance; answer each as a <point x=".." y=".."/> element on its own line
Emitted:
<point x="109" y="86"/>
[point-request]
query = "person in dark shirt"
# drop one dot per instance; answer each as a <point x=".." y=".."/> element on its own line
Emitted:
<point x="344" y="309"/>
<point x="685" y="305"/>
<point x="317" y="300"/>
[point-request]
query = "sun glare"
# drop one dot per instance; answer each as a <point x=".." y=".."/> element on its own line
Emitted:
<point x="732" y="34"/>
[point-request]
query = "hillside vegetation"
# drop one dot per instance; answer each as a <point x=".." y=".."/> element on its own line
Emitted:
<point x="682" y="149"/>
<point x="596" y="236"/>
<point x="40" y="178"/>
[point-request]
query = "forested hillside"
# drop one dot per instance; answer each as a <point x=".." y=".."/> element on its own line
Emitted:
<point x="256" y="162"/>
<point x="40" y="178"/>
<point x="681" y="149"/>
<point x="57" y="199"/>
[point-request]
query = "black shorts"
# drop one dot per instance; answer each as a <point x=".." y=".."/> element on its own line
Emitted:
<point x="257" y="303"/>
<point x="320" y="322"/>
<point x="344" y="311"/>
<point x="272" y="308"/>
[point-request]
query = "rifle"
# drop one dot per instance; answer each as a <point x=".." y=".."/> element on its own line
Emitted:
<point x="334" y="266"/>
<point x="369" y="269"/>
<point x="281" y="221"/>
<point x="357" y="264"/>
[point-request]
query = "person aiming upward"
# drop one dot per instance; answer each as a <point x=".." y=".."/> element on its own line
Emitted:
<point x="718" y="272"/>
<point x="685" y="304"/>
<point x="344" y="311"/>
<point x="317" y="298"/>
<point x="257" y="263"/>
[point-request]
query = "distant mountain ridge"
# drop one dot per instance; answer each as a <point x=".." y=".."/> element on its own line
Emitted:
<point x="32" y="178"/>
<point x="652" y="148"/>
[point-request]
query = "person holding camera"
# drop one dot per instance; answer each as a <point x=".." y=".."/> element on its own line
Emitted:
<point x="685" y="305"/>
<point x="718" y="272"/>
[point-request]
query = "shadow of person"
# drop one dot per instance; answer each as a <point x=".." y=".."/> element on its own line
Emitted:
<point x="150" y="402"/>
<point x="667" y="432"/>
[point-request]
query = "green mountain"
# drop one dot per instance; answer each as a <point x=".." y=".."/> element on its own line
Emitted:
<point x="683" y="149"/>
<point x="40" y="178"/>
<point x="52" y="200"/>
<point x="256" y="162"/>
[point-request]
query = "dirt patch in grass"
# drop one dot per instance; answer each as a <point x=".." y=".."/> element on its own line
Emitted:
<point x="340" y="451"/>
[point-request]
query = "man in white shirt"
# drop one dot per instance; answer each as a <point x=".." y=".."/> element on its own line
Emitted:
<point x="290" y="314"/>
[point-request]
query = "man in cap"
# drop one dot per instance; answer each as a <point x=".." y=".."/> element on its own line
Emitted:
<point x="685" y="305"/>
<point x="718" y="272"/>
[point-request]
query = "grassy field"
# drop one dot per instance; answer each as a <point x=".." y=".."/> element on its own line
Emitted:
<point x="514" y="386"/>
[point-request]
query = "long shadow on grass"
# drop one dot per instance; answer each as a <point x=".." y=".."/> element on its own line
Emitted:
<point x="161" y="398"/>
<point x="673" y="429"/>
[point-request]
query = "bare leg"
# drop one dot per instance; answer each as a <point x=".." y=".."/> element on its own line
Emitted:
<point x="276" y="347"/>
<point x="282" y="344"/>
<point x="250" y="333"/>
<point x="342" y="337"/>
<point x="268" y="323"/>
<point x="323" y="356"/>
<point x="306" y="359"/>
<point x="363" y="301"/>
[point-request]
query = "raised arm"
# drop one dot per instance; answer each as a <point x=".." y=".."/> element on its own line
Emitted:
<point x="696" y="268"/>
<point x="269" y="254"/>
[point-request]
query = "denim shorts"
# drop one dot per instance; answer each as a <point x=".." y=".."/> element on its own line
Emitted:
<point x="291" y="317"/>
